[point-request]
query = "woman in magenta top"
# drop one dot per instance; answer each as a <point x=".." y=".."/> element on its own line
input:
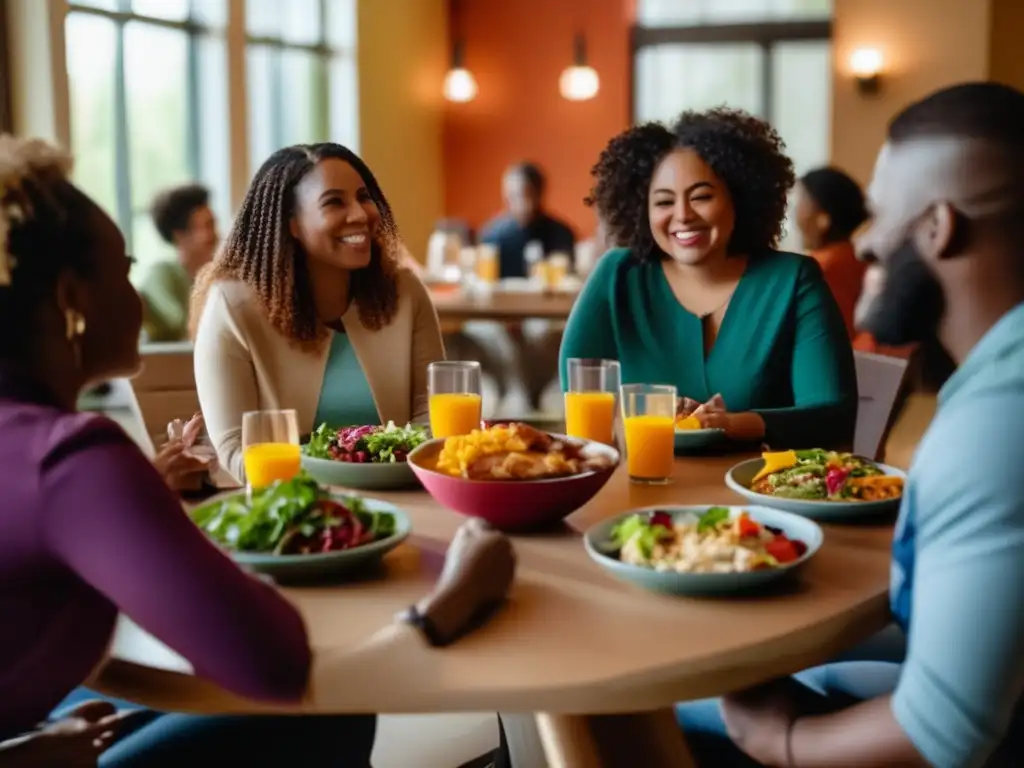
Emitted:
<point x="88" y="528"/>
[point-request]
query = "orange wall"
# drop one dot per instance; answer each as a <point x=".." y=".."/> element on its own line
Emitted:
<point x="516" y="49"/>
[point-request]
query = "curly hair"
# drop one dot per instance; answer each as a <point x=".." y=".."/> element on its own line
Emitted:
<point x="744" y="151"/>
<point x="261" y="251"/>
<point x="45" y="229"/>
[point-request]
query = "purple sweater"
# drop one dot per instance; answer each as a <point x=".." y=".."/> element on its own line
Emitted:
<point x="88" y="528"/>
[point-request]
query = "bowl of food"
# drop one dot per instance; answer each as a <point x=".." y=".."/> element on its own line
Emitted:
<point x="691" y="436"/>
<point x="701" y="550"/>
<point x="819" y="484"/>
<point x="514" y="476"/>
<point x="371" y="457"/>
<point x="298" y="529"/>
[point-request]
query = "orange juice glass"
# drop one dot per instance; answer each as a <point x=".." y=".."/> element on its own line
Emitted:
<point x="270" y="447"/>
<point x="649" y="415"/>
<point x="592" y="388"/>
<point x="558" y="270"/>
<point x="456" y="401"/>
<point x="488" y="268"/>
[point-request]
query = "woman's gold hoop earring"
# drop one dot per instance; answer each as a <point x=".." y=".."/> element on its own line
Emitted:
<point x="74" y="329"/>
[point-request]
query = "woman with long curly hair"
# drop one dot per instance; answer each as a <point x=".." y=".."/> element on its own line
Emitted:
<point x="308" y="305"/>
<point x="699" y="297"/>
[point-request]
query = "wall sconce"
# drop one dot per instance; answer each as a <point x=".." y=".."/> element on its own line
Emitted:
<point x="459" y="83"/>
<point x="580" y="81"/>
<point x="866" y="66"/>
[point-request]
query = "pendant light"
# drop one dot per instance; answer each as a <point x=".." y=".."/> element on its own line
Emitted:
<point x="459" y="83"/>
<point x="580" y="81"/>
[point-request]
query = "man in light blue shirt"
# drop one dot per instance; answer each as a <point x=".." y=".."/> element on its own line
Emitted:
<point x="948" y="229"/>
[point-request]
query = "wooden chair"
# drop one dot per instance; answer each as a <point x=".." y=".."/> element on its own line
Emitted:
<point x="166" y="387"/>
<point x="879" y="381"/>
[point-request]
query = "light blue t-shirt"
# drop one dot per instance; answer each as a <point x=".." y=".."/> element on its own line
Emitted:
<point x="345" y="396"/>
<point x="958" y="564"/>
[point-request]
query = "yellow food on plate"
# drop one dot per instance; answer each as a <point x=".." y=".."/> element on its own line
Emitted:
<point x="775" y="462"/>
<point x="514" y="452"/>
<point x="688" y="422"/>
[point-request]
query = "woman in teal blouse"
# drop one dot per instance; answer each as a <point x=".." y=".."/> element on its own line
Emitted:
<point x="700" y="299"/>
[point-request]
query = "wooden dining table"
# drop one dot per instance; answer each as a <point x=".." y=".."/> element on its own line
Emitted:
<point x="596" y="663"/>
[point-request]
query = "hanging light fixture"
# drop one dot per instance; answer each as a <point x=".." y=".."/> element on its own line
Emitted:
<point x="580" y="81"/>
<point x="459" y="83"/>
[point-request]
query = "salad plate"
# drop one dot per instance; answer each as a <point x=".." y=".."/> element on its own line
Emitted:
<point x="299" y="530"/>
<point x="702" y="550"/>
<point x="819" y="484"/>
<point x="367" y="458"/>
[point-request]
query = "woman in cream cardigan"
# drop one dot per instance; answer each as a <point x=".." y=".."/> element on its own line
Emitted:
<point x="309" y="306"/>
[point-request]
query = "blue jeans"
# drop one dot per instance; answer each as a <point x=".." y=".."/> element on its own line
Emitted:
<point x="851" y="678"/>
<point x="248" y="741"/>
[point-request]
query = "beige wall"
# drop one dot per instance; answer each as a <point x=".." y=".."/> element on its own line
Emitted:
<point x="926" y="44"/>
<point x="403" y="47"/>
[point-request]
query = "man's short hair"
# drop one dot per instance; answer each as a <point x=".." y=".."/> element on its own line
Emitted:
<point x="173" y="207"/>
<point x="988" y="111"/>
<point x="532" y="173"/>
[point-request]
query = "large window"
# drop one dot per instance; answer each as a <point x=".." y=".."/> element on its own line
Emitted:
<point x="302" y="74"/>
<point x="150" y="103"/>
<point x="769" y="57"/>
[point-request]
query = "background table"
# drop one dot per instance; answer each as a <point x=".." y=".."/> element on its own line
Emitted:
<point x="501" y="306"/>
<point x="571" y="642"/>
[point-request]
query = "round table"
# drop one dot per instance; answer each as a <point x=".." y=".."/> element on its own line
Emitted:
<point x="599" y="661"/>
<point x="502" y="306"/>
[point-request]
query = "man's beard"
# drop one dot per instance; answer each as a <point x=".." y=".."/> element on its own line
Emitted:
<point x="910" y="305"/>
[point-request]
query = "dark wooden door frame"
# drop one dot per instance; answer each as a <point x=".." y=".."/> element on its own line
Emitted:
<point x="6" y="79"/>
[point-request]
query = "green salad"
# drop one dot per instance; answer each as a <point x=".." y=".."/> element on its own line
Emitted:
<point x="371" y="444"/>
<point x="293" y="517"/>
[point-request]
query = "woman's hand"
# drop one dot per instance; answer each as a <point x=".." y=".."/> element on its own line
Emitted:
<point x="74" y="741"/>
<point x="713" y="414"/>
<point x="182" y="465"/>
<point x="478" y="571"/>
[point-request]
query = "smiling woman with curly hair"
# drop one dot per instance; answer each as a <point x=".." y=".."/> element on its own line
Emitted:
<point x="309" y="306"/>
<point x="698" y="296"/>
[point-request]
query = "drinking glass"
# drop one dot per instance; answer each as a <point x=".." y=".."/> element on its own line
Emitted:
<point x="593" y="386"/>
<point x="456" y="398"/>
<point x="488" y="266"/>
<point x="270" y="447"/>
<point x="649" y="414"/>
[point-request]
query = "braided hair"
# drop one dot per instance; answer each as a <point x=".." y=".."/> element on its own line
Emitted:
<point x="45" y="229"/>
<point x="261" y="251"/>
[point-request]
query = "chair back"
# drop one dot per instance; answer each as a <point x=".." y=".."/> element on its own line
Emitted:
<point x="166" y="387"/>
<point x="879" y="381"/>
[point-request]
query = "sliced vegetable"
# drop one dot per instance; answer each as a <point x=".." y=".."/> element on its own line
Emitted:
<point x="774" y="462"/>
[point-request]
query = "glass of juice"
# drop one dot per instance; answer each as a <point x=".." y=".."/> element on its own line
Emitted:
<point x="270" y="447"/>
<point x="649" y="415"/>
<point x="488" y="268"/>
<point x="593" y="386"/>
<point x="558" y="270"/>
<point x="455" y="397"/>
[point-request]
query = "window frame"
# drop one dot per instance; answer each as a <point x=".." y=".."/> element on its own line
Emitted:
<point x="237" y="41"/>
<point x="6" y="79"/>
<point x="122" y="156"/>
<point x="766" y="35"/>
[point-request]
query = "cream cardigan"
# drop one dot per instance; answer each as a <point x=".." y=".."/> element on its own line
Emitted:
<point x="242" y="363"/>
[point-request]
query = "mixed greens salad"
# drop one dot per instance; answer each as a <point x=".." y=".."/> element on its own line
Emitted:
<point x="292" y="517"/>
<point x="711" y="542"/>
<point x="389" y="444"/>
<point x="820" y="475"/>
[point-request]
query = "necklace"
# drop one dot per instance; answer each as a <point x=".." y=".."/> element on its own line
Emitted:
<point x="705" y="315"/>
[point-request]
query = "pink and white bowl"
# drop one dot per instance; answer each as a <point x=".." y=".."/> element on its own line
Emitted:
<point x="512" y="505"/>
